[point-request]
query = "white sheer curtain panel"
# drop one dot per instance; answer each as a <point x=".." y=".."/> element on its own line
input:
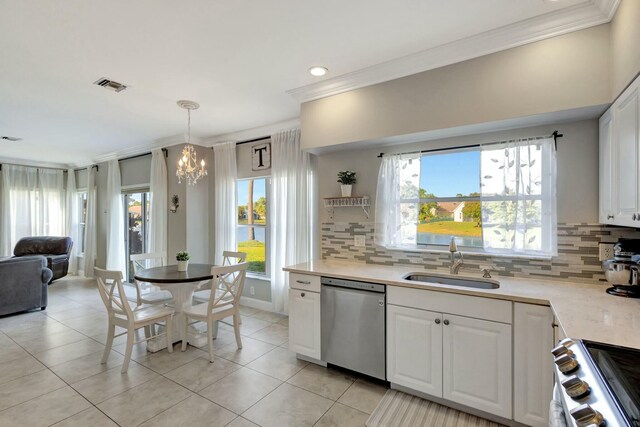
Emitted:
<point x="226" y="215"/>
<point x="292" y="212"/>
<point x="19" y="208"/>
<point x="90" y="228"/>
<point x="51" y="203"/>
<point x="72" y="219"/>
<point x="518" y="186"/>
<point x="115" y="221"/>
<point x="159" y="203"/>
<point x="397" y="201"/>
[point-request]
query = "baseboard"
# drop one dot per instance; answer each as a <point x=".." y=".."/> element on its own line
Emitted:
<point x="256" y="303"/>
<point x="311" y="359"/>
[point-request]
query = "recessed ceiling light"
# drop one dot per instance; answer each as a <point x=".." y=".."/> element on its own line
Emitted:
<point x="318" y="71"/>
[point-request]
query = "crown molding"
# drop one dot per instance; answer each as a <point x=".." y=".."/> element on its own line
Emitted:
<point x="563" y="21"/>
<point x="179" y="139"/>
<point x="252" y="133"/>
<point x="146" y="148"/>
<point x="34" y="164"/>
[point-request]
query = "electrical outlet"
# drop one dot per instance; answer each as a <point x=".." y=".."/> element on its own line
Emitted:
<point x="605" y="251"/>
<point x="252" y="290"/>
<point x="358" y="240"/>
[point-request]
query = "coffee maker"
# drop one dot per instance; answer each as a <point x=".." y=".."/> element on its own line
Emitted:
<point x="622" y="270"/>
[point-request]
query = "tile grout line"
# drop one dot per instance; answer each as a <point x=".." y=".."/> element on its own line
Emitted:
<point x="65" y="382"/>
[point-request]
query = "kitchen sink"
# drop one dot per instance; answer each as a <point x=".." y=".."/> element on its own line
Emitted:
<point x="453" y="281"/>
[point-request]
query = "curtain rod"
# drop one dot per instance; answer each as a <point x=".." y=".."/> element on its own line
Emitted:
<point x="164" y="150"/>
<point x="555" y="136"/>
<point x="33" y="167"/>
<point x="262" y="138"/>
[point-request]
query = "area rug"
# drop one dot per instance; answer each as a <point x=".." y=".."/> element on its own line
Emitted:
<point x="397" y="409"/>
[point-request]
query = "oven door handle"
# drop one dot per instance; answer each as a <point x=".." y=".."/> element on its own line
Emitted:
<point x="556" y="410"/>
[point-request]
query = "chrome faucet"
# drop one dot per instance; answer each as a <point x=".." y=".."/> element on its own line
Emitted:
<point x="455" y="263"/>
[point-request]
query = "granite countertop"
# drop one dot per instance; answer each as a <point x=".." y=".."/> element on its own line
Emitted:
<point x="584" y="311"/>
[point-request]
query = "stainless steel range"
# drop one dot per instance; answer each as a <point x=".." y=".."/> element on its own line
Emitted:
<point x="596" y="385"/>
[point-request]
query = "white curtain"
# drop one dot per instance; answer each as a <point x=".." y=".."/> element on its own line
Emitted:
<point x="72" y="220"/>
<point x="51" y="203"/>
<point x="115" y="221"/>
<point x="518" y="195"/>
<point x="292" y="211"/>
<point x="19" y="198"/>
<point x="226" y="214"/>
<point x="90" y="228"/>
<point x="158" y="204"/>
<point x="397" y="205"/>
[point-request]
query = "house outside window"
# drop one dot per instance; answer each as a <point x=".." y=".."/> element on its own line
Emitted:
<point x="497" y="198"/>
<point x="450" y="199"/>
<point x="253" y="234"/>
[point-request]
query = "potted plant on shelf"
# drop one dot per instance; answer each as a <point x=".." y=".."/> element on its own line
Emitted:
<point x="346" y="180"/>
<point x="183" y="260"/>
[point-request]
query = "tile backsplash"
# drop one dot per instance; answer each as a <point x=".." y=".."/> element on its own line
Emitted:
<point x="577" y="258"/>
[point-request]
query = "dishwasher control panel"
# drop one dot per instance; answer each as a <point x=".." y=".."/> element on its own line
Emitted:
<point x="352" y="284"/>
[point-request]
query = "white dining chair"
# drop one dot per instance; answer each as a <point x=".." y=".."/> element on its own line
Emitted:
<point x="228" y="258"/>
<point x="146" y="293"/>
<point x="121" y="314"/>
<point x="229" y="281"/>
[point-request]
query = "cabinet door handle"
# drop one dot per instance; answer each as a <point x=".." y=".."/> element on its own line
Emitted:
<point x="437" y="321"/>
<point x="609" y="216"/>
<point x="303" y="282"/>
<point x="302" y="294"/>
<point x="446" y="322"/>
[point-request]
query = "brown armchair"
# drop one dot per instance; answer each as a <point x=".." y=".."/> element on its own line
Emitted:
<point x="56" y="250"/>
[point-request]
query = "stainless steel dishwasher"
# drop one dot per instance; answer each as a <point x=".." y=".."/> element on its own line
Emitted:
<point x="353" y="325"/>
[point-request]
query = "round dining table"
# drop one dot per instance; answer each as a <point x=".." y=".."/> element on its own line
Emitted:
<point x="181" y="285"/>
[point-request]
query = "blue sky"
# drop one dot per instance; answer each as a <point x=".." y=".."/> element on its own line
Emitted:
<point x="258" y="190"/>
<point x="446" y="175"/>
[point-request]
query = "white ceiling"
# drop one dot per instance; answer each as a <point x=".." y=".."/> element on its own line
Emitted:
<point x="236" y="58"/>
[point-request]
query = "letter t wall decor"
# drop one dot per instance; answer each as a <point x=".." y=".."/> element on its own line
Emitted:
<point x="261" y="156"/>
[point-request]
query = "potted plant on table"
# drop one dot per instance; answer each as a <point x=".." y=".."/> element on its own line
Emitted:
<point x="346" y="179"/>
<point x="183" y="260"/>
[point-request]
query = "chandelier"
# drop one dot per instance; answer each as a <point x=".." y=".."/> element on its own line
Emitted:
<point x="188" y="168"/>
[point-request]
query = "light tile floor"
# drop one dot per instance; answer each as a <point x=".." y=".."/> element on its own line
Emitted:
<point x="50" y="374"/>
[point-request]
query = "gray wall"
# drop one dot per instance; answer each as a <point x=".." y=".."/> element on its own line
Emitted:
<point x="577" y="169"/>
<point x="562" y="73"/>
<point x="625" y="46"/>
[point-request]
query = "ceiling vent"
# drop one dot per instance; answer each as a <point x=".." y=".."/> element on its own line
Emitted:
<point x="110" y="84"/>
<point x="10" y="138"/>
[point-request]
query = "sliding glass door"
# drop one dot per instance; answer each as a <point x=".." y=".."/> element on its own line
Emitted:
<point x="136" y="217"/>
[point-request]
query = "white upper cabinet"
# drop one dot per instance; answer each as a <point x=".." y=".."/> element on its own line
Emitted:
<point x="607" y="155"/>
<point x="620" y="160"/>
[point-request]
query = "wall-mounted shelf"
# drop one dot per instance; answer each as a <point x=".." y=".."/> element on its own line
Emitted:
<point x="330" y="203"/>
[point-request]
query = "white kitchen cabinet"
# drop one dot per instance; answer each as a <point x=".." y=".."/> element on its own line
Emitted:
<point x="476" y="369"/>
<point x="620" y="160"/>
<point x="607" y="155"/>
<point x="414" y="349"/>
<point x="461" y="359"/>
<point x="304" y="323"/>
<point x="533" y="364"/>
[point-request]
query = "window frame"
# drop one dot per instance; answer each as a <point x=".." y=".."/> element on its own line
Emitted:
<point x="82" y="195"/>
<point x="146" y="193"/>
<point x="439" y="248"/>
<point x="266" y="227"/>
